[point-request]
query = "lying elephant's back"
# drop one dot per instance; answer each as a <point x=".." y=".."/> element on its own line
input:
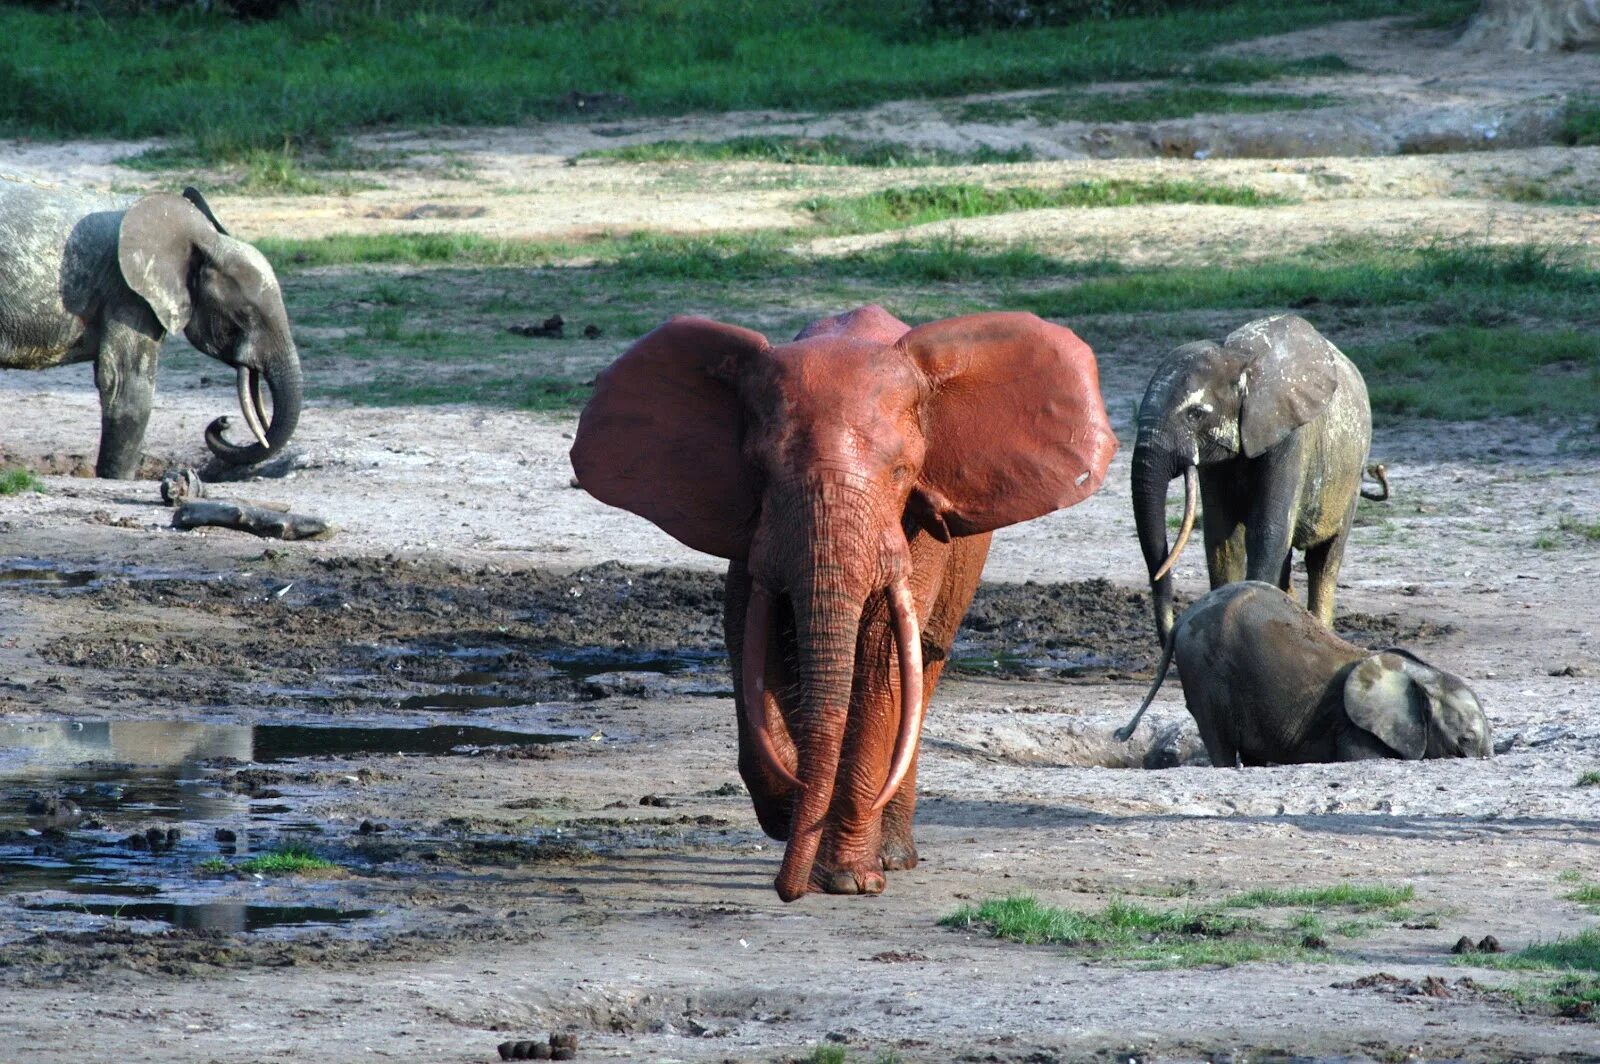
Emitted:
<point x="57" y="259"/>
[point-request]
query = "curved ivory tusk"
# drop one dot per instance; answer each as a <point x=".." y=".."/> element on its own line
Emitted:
<point x="908" y="638"/>
<point x="757" y="618"/>
<point x="1191" y="488"/>
<point x="259" y="396"/>
<point x="249" y="393"/>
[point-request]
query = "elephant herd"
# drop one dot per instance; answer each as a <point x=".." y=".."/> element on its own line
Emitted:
<point x="852" y="478"/>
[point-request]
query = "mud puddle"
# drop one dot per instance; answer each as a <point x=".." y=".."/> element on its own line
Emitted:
<point x="119" y="815"/>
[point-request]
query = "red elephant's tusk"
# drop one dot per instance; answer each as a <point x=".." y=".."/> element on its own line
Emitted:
<point x="908" y="638"/>
<point x="758" y="616"/>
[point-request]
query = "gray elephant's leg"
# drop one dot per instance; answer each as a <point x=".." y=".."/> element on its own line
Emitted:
<point x="1286" y="578"/>
<point x="125" y="373"/>
<point x="1322" y="570"/>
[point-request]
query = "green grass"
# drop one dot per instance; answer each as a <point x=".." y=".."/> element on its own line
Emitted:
<point x="1150" y="105"/>
<point x="1589" y="531"/>
<point x="804" y="151"/>
<point x="289" y="859"/>
<point x="893" y="208"/>
<point x="229" y="86"/>
<point x="1125" y="931"/>
<point x="1587" y="894"/>
<point x="1580" y="121"/>
<point x="1524" y="190"/>
<point x="1577" y="953"/>
<point x="17" y="481"/>
<point x="1363" y="897"/>
<point x="1590" y="778"/>
<point x="1464" y="373"/>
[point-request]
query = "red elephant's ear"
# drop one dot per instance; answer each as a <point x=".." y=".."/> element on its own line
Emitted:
<point x="661" y="435"/>
<point x="1016" y="426"/>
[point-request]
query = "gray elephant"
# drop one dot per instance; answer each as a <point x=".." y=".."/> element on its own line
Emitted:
<point x="87" y="277"/>
<point x="1271" y="427"/>
<point x="1268" y="684"/>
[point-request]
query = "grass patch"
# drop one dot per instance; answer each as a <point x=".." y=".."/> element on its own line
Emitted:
<point x="1125" y="931"/>
<point x="1522" y="190"/>
<point x="1577" y="953"/>
<point x="1587" y="894"/>
<point x="1363" y="897"/>
<point x="17" y="481"/>
<point x="230" y="85"/>
<point x="805" y="151"/>
<point x="1580" y="122"/>
<point x="1465" y="373"/>
<point x="286" y="860"/>
<point x="893" y="208"/>
<point x="1151" y="105"/>
<point x="1590" y="779"/>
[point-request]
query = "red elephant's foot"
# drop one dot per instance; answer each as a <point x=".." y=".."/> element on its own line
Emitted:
<point x="898" y="854"/>
<point x="848" y="881"/>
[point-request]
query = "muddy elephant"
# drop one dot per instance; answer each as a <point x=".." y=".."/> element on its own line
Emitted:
<point x="852" y="478"/>
<point x="91" y="278"/>
<point x="1271" y="429"/>
<point x="1267" y="683"/>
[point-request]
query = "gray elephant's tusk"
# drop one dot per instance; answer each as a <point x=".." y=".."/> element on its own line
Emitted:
<point x="249" y="396"/>
<point x="1191" y="488"/>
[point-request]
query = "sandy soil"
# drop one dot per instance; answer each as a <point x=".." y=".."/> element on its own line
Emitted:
<point x="524" y="888"/>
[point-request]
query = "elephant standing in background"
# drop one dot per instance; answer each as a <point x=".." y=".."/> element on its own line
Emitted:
<point x="1271" y="428"/>
<point x="86" y="277"/>
<point x="852" y="478"/>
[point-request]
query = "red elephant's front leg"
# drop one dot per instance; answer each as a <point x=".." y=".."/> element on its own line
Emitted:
<point x="953" y="572"/>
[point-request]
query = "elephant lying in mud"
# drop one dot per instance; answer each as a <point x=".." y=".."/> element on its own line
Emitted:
<point x="1271" y="427"/>
<point x="87" y="277"/>
<point x="1268" y="684"/>
<point x="852" y="478"/>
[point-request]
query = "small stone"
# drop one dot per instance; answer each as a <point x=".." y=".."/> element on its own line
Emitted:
<point x="137" y="842"/>
<point x="366" y="827"/>
<point x="656" y="800"/>
<point x="1464" y="945"/>
<point x="1490" y="944"/>
<point x="225" y="835"/>
<point x="564" y="1053"/>
<point x="540" y="1051"/>
<point x="591" y="332"/>
<point x="504" y="1049"/>
<point x="173" y="835"/>
<point x="156" y="838"/>
<point x="1314" y="942"/>
<point x="564" y="1040"/>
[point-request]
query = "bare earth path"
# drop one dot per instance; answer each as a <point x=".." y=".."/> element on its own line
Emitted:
<point x="526" y="889"/>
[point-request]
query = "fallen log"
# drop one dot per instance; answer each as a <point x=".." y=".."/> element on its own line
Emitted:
<point x="245" y="517"/>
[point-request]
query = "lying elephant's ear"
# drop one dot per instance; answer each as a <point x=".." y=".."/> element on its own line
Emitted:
<point x="1290" y="374"/>
<point x="158" y="238"/>
<point x="1380" y="698"/>
<point x="1016" y="426"/>
<point x="661" y="436"/>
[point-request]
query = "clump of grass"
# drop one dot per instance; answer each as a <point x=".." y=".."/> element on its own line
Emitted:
<point x="1587" y="894"/>
<point x="1576" y="953"/>
<point x="893" y="208"/>
<point x="1580" y="121"/>
<point x="1589" y="531"/>
<point x="1151" y="105"/>
<point x="289" y="859"/>
<point x="1125" y="931"/>
<point x="16" y="481"/>
<point x="1524" y="190"/>
<point x="1362" y="897"/>
<point x="829" y="150"/>
<point x="1589" y="779"/>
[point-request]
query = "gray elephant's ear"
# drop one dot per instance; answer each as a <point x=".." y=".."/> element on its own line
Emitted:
<point x="1381" y="698"/>
<point x="155" y="245"/>
<point x="1290" y="374"/>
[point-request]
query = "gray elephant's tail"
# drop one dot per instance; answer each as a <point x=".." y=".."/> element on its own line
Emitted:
<point x="1124" y="733"/>
<point x="1379" y="472"/>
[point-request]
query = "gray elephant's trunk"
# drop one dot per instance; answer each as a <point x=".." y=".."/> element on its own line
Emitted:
<point x="1154" y="466"/>
<point x="284" y="379"/>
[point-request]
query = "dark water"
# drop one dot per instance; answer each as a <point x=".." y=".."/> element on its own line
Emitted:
<point x="108" y="780"/>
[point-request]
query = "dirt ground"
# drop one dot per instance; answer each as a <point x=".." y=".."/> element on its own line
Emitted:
<point x="527" y="773"/>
